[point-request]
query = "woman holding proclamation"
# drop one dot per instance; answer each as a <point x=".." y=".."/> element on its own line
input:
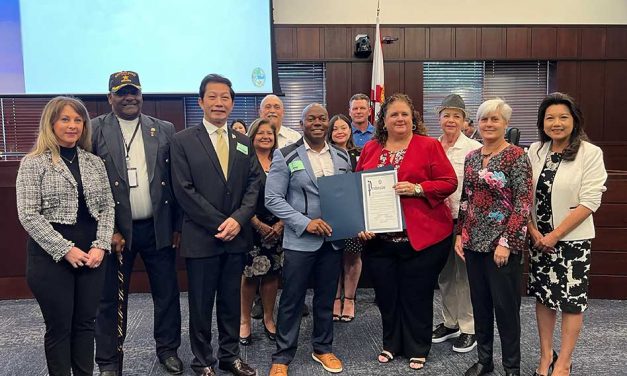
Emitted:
<point x="405" y="265"/>
<point x="65" y="204"/>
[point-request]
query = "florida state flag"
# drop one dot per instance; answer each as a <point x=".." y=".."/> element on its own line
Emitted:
<point x="377" y="92"/>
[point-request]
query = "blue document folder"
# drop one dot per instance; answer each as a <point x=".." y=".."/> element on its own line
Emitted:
<point x="341" y="203"/>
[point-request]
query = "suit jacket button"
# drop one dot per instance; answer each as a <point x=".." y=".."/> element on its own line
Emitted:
<point x="116" y="183"/>
<point x="167" y="160"/>
<point x="117" y="202"/>
<point x="166" y="202"/>
<point x="163" y="183"/>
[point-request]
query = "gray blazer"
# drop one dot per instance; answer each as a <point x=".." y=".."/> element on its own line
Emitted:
<point x="47" y="193"/>
<point x="108" y="144"/>
<point x="292" y="194"/>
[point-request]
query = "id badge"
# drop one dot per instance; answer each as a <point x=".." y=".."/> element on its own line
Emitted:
<point x="132" y="177"/>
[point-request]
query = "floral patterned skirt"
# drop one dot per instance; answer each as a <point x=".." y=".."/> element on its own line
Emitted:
<point x="266" y="257"/>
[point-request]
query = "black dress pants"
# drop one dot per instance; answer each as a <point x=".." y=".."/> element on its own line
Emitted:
<point x="323" y="266"/>
<point x="68" y="299"/>
<point x="161" y="269"/>
<point x="404" y="281"/>
<point x="218" y="279"/>
<point x="495" y="290"/>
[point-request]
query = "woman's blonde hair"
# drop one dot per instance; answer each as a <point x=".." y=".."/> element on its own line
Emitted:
<point x="46" y="139"/>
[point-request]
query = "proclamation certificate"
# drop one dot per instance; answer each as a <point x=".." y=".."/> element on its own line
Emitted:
<point x="382" y="206"/>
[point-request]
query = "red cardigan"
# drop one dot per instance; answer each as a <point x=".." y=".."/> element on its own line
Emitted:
<point x="427" y="218"/>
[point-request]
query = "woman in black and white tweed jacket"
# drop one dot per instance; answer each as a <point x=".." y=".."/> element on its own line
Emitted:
<point x="65" y="204"/>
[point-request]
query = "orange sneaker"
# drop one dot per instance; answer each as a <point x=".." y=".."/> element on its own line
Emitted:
<point x="278" y="370"/>
<point x="329" y="362"/>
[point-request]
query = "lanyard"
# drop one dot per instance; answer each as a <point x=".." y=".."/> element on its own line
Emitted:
<point x="128" y="146"/>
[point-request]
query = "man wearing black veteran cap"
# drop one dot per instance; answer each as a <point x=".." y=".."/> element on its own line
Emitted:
<point x="136" y="151"/>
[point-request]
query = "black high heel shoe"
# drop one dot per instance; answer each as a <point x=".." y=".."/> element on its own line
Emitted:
<point x="551" y="366"/>
<point x="246" y="341"/>
<point x="271" y="336"/>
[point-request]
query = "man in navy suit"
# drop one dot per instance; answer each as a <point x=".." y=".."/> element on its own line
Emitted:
<point x="216" y="178"/>
<point x="292" y="195"/>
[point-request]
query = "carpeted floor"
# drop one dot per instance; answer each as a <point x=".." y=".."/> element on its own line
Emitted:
<point x="602" y="348"/>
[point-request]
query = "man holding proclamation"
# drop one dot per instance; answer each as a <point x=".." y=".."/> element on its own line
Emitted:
<point x="216" y="177"/>
<point x="292" y="195"/>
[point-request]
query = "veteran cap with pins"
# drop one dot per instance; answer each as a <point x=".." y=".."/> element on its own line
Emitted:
<point x="121" y="79"/>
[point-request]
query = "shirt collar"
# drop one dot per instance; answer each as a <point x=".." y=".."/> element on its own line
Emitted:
<point x="461" y="140"/>
<point x="211" y="129"/>
<point x="369" y="129"/>
<point x="308" y="148"/>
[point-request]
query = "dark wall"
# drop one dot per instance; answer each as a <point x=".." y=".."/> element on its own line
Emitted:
<point x="591" y="65"/>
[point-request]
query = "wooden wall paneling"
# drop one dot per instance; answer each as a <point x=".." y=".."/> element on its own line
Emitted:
<point x="493" y="43"/>
<point x="607" y="287"/>
<point x="568" y="42"/>
<point x="467" y="43"/>
<point x="415" y="43"/>
<point x="172" y="110"/>
<point x="616" y="187"/>
<point x="614" y="155"/>
<point x="544" y="42"/>
<point x="616" y="43"/>
<point x="568" y="78"/>
<point x="336" y="44"/>
<point x="91" y="103"/>
<point x="615" y="101"/>
<point x="392" y="78"/>
<point x="518" y="42"/>
<point x="308" y="43"/>
<point x="593" y="43"/>
<point x="285" y="42"/>
<point x="413" y="83"/>
<point x="441" y="43"/>
<point x="338" y="88"/>
<point x="14" y="239"/>
<point x="361" y="76"/>
<point x="612" y="216"/>
<point x="395" y="49"/>
<point x="608" y="238"/>
<point x="608" y="263"/>
<point x="592" y="97"/>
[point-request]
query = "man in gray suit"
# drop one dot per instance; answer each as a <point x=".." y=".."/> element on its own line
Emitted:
<point x="136" y="151"/>
<point x="292" y="195"/>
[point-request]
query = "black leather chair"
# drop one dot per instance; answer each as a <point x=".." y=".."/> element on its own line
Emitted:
<point x="512" y="135"/>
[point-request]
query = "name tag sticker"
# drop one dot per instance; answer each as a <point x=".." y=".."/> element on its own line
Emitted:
<point x="296" y="166"/>
<point x="242" y="148"/>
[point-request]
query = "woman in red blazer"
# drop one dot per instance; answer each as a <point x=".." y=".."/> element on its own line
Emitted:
<point x="404" y="266"/>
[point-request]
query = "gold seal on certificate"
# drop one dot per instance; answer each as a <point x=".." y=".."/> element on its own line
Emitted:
<point x="382" y="206"/>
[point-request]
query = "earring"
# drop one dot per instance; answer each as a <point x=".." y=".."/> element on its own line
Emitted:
<point x="413" y="127"/>
<point x="385" y="129"/>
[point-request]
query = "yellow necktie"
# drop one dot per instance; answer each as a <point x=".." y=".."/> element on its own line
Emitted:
<point x="223" y="151"/>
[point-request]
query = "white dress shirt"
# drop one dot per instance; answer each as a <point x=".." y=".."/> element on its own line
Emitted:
<point x="321" y="161"/>
<point x="287" y="136"/>
<point x="141" y="203"/>
<point x="456" y="154"/>
<point x="213" y="133"/>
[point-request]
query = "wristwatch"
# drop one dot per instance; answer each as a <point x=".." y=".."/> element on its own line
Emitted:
<point x="418" y="190"/>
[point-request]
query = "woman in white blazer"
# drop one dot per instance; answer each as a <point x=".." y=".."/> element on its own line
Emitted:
<point x="65" y="205"/>
<point x="569" y="177"/>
